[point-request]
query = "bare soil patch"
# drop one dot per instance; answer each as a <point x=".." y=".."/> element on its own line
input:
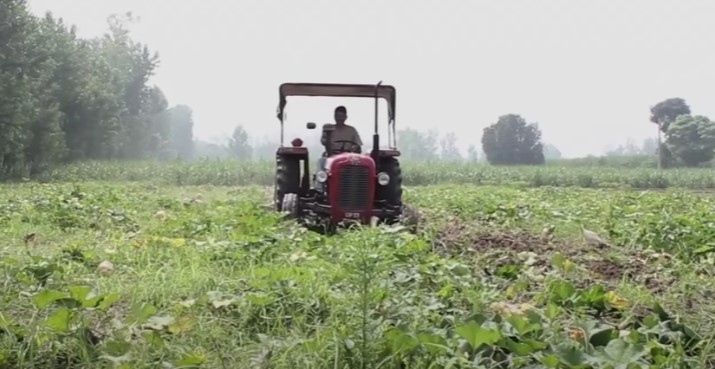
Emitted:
<point x="466" y="240"/>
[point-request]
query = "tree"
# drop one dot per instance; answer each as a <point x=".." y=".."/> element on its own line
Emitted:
<point x="238" y="145"/>
<point x="182" y="128"/>
<point x="663" y="114"/>
<point x="418" y="146"/>
<point x="472" y="154"/>
<point x="448" y="148"/>
<point x="666" y="111"/>
<point x="630" y="148"/>
<point x="650" y="146"/>
<point x="512" y="141"/>
<point x="551" y="152"/>
<point x="692" y="139"/>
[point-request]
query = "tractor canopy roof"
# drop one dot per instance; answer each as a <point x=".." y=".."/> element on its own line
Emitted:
<point x="386" y="92"/>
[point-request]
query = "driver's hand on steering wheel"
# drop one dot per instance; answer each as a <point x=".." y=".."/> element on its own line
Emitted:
<point x="353" y="147"/>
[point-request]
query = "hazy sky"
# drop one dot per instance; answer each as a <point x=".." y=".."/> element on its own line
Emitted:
<point x="586" y="71"/>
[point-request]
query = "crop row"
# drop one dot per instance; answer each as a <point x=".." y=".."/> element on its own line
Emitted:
<point x="234" y="172"/>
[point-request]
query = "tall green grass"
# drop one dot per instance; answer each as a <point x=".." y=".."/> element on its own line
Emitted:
<point x="236" y="173"/>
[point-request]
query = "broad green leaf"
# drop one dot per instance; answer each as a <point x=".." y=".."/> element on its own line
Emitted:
<point x="108" y="300"/>
<point x="569" y="355"/>
<point x="477" y="335"/>
<point x="142" y="311"/>
<point x="535" y="344"/>
<point x="434" y="343"/>
<point x="218" y="304"/>
<point x="192" y="360"/>
<point x="59" y="320"/>
<point x="552" y="310"/>
<point x="117" y="348"/>
<point x="703" y="250"/>
<point x="400" y="341"/>
<point x="159" y="322"/>
<point x="5" y="321"/>
<point x="79" y="293"/>
<point x="522" y="325"/>
<point x="519" y="348"/>
<point x="181" y="324"/>
<point x="557" y="260"/>
<point x="601" y="336"/>
<point x="563" y="290"/>
<point x="153" y="338"/>
<point x="621" y="353"/>
<point x="550" y="360"/>
<point x="46" y="297"/>
<point x="259" y="298"/>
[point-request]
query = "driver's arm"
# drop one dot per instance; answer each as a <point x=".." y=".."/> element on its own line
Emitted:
<point x="356" y="137"/>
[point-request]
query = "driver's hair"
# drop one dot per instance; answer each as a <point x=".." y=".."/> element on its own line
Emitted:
<point x="341" y="109"/>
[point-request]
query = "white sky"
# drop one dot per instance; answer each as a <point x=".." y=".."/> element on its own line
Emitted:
<point x="586" y="71"/>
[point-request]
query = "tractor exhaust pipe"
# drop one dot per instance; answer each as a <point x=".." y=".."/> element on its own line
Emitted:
<point x="376" y="136"/>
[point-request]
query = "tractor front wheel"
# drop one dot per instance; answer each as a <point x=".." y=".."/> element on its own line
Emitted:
<point x="290" y="206"/>
<point x="392" y="193"/>
<point x="410" y="218"/>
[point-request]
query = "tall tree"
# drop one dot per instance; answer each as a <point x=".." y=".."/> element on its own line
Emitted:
<point x="448" y="148"/>
<point x="512" y="141"/>
<point x="16" y="99"/>
<point x="551" y="152"/>
<point x="650" y="146"/>
<point x="662" y="114"/>
<point x="472" y="154"/>
<point x="692" y="139"/>
<point x="182" y="128"/>
<point x="418" y="146"/>
<point x="238" y="145"/>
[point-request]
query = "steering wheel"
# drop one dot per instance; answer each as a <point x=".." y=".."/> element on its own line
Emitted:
<point x="354" y="148"/>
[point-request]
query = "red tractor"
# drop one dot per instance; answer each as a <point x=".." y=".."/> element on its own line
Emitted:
<point x="354" y="187"/>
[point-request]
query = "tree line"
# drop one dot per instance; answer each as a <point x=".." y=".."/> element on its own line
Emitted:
<point x="64" y="98"/>
<point x="689" y="139"/>
<point x="414" y="145"/>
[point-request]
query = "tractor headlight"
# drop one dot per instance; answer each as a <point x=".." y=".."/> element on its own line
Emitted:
<point x="383" y="179"/>
<point x="321" y="176"/>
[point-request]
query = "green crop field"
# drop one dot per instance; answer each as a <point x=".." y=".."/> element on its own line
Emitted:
<point x="234" y="172"/>
<point x="182" y="266"/>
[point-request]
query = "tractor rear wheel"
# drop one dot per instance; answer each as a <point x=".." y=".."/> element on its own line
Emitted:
<point x="287" y="179"/>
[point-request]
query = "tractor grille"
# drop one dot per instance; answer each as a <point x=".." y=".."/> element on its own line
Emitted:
<point x="353" y="187"/>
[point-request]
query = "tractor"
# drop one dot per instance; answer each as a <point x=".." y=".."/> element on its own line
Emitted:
<point x="353" y="187"/>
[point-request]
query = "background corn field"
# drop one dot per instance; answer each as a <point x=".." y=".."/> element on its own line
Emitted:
<point x="237" y="173"/>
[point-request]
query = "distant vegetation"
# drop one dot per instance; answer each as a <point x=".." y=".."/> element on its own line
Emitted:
<point x="227" y="172"/>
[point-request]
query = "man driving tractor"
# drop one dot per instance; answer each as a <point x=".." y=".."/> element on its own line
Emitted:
<point x="342" y="137"/>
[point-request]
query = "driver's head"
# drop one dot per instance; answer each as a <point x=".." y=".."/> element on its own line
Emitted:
<point x="340" y="115"/>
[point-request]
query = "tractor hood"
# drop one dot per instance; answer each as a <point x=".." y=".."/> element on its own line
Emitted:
<point x="346" y="156"/>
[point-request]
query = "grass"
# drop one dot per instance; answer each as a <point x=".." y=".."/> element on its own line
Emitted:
<point x="204" y="276"/>
<point x="238" y="173"/>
